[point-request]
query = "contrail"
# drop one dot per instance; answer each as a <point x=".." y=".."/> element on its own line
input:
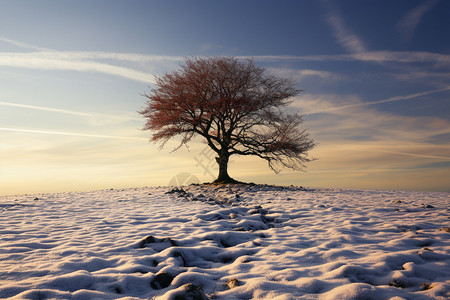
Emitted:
<point x="392" y="99"/>
<point x="63" y="111"/>
<point x="412" y="154"/>
<point x="72" y="134"/>
<point x="71" y="112"/>
<point x="22" y="45"/>
<point x="343" y="35"/>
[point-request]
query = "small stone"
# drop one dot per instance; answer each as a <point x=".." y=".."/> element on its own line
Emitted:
<point x="445" y="229"/>
<point x="232" y="216"/>
<point x="161" y="281"/>
<point x="232" y="283"/>
<point x="147" y="240"/>
<point x="191" y="292"/>
<point x="397" y="284"/>
<point x="426" y="286"/>
<point x="156" y="244"/>
<point x="239" y="229"/>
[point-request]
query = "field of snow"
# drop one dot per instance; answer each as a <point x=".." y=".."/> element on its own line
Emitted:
<point x="229" y="242"/>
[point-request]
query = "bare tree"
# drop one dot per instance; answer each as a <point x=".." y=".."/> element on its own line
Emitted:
<point x="235" y="106"/>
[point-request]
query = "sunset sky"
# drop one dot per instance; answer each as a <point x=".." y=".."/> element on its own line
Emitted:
<point x="375" y="77"/>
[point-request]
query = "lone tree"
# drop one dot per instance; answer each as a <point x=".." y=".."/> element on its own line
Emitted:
<point x="235" y="106"/>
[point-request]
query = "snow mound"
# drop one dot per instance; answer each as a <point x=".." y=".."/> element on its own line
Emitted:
<point x="225" y="242"/>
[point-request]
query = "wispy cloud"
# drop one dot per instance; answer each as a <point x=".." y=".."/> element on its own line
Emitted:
<point x="370" y="137"/>
<point x="94" y="118"/>
<point x="124" y="64"/>
<point x="408" y="23"/>
<point x="50" y="109"/>
<point x="35" y="131"/>
<point x="48" y="59"/>
<point x="368" y="56"/>
<point x="66" y="55"/>
<point x="440" y="78"/>
<point x="354" y="132"/>
<point x="414" y="155"/>
<point x="22" y="44"/>
<point x="344" y="35"/>
<point x="391" y="99"/>
<point x="65" y="61"/>
<point x="304" y="73"/>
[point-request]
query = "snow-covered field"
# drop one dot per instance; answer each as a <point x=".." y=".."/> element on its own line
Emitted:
<point x="229" y="242"/>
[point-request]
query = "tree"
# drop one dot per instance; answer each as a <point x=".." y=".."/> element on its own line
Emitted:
<point x="238" y="108"/>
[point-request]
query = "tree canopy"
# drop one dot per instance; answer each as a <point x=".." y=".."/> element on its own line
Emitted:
<point x="237" y="107"/>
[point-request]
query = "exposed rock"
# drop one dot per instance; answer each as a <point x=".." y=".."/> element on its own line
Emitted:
<point x="426" y="286"/>
<point x="191" y="292"/>
<point x="161" y="281"/>
<point x="427" y="205"/>
<point x="397" y="284"/>
<point x="147" y="240"/>
<point x="445" y="229"/>
<point x="156" y="243"/>
<point x="179" y="191"/>
<point x="232" y="283"/>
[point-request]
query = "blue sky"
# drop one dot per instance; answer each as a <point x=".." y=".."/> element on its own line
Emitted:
<point x="375" y="77"/>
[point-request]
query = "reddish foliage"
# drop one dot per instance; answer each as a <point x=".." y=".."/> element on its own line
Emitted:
<point x="234" y="105"/>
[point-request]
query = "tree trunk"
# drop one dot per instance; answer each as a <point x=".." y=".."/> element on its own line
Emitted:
<point x="223" y="177"/>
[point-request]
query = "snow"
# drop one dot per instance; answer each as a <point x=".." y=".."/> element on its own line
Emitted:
<point x="228" y="242"/>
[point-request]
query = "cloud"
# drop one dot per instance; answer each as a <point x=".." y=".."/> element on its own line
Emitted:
<point x="416" y="155"/>
<point x="21" y="44"/>
<point x="82" y="61"/>
<point x="130" y="65"/>
<point x="402" y="57"/>
<point x="344" y="36"/>
<point x="65" y="61"/>
<point x="93" y="54"/>
<point x="94" y="118"/>
<point x="362" y="136"/>
<point x="330" y="108"/>
<point x="408" y="23"/>
<point x="211" y="47"/>
<point x="24" y="130"/>
<point x="368" y="56"/>
<point x="50" y="109"/>
<point x="440" y="79"/>
<point x="298" y="75"/>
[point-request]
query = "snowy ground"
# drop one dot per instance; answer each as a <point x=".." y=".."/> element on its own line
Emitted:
<point x="232" y="242"/>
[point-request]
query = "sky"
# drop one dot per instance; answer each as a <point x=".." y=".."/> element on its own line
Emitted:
<point x="374" y="75"/>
